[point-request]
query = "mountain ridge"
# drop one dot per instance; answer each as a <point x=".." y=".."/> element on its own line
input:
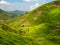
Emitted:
<point x="17" y="12"/>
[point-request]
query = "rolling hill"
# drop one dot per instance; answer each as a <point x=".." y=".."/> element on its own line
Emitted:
<point x="38" y="27"/>
<point x="32" y="18"/>
<point x="5" y="16"/>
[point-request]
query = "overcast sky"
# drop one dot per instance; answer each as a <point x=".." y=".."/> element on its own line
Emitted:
<point x="24" y="5"/>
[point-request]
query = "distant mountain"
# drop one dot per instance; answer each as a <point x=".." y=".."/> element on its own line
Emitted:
<point x="17" y="12"/>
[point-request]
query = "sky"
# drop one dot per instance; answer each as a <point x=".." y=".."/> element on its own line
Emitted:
<point x="22" y="5"/>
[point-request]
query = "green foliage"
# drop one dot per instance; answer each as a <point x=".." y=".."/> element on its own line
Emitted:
<point x="51" y="17"/>
<point x="9" y="38"/>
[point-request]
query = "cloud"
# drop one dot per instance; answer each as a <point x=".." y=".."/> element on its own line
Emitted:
<point x="21" y="5"/>
<point x="30" y="0"/>
<point x="34" y="6"/>
<point x="9" y="6"/>
<point x="4" y="2"/>
<point x="5" y="5"/>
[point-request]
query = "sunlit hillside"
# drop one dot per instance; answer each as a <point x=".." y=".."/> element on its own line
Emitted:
<point x="33" y="18"/>
<point x="40" y="26"/>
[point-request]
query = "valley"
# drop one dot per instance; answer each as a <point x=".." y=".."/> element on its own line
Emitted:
<point x="40" y="26"/>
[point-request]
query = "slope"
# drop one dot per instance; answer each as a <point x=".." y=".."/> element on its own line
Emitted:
<point x="5" y="16"/>
<point x="37" y="35"/>
<point x="44" y="31"/>
<point x="31" y="18"/>
<point x="9" y="38"/>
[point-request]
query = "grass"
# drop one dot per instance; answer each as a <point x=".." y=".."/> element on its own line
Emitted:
<point x="37" y="35"/>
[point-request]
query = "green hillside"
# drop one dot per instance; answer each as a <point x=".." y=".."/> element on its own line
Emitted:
<point x="37" y="35"/>
<point x="32" y="18"/>
<point x="5" y="16"/>
<point x="38" y="27"/>
<point x="9" y="38"/>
